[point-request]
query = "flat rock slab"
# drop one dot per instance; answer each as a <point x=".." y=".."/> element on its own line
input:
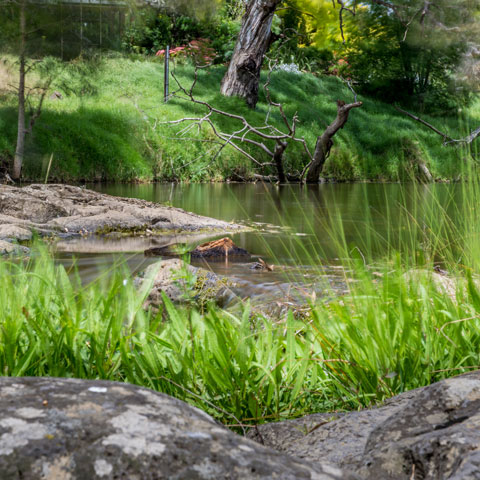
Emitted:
<point x="79" y="429"/>
<point x="75" y="210"/>
<point x="427" y="433"/>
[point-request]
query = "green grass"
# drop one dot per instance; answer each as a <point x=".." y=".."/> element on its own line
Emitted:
<point x="97" y="132"/>
<point x="389" y="334"/>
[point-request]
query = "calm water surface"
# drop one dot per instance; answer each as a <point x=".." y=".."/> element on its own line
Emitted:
<point x="293" y="223"/>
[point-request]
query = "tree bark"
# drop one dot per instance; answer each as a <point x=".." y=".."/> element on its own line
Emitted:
<point x="325" y="142"/>
<point x="21" y="133"/>
<point x="278" y="158"/>
<point x="243" y="74"/>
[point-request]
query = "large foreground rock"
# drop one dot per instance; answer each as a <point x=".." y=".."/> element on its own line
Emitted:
<point x="55" y="429"/>
<point x="428" y="433"/>
<point x="67" y="209"/>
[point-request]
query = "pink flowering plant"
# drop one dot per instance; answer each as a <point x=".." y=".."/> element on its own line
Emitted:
<point x="340" y="67"/>
<point x="200" y="51"/>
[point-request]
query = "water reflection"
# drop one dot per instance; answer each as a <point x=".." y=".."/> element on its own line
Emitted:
<point x="294" y="223"/>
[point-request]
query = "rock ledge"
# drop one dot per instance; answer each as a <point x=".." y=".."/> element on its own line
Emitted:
<point x="65" y="209"/>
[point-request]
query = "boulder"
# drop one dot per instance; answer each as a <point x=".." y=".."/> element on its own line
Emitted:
<point x="436" y="435"/>
<point x="427" y="433"/>
<point x="78" y="429"/>
<point x="337" y="438"/>
<point x="181" y="282"/>
<point x="441" y="281"/>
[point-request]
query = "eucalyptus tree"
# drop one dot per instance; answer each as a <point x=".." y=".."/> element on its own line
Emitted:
<point x="243" y="74"/>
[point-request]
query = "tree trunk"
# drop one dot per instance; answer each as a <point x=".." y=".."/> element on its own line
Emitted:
<point x="325" y="142"/>
<point x="278" y="158"/>
<point x="21" y="133"/>
<point x="243" y="74"/>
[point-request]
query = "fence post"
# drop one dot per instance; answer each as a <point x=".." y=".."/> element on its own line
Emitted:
<point x="166" y="74"/>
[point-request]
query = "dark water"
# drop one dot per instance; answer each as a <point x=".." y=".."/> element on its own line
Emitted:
<point x="294" y="224"/>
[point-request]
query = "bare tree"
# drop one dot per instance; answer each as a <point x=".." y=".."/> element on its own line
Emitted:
<point x="262" y="137"/>
<point x="21" y="133"/>
<point x="23" y="93"/>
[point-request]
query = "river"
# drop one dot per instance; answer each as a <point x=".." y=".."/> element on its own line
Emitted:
<point x="292" y="225"/>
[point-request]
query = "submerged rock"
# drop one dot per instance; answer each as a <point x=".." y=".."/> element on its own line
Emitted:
<point x="72" y="429"/>
<point x="68" y="209"/>
<point x="220" y="249"/>
<point x="428" y="433"/>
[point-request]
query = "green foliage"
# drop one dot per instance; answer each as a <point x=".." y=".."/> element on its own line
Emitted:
<point x="415" y="65"/>
<point x="153" y="31"/>
<point x="308" y="31"/>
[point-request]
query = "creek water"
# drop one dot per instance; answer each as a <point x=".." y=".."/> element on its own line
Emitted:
<point x="292" y="226"/>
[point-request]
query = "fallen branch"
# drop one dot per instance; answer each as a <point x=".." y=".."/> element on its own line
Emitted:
<point x="447" y="139"/>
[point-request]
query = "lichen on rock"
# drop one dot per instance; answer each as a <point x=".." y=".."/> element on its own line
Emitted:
<point x="130" y="433"/>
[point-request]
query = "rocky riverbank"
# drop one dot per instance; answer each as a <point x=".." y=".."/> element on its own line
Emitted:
<point x="68" y="211"/>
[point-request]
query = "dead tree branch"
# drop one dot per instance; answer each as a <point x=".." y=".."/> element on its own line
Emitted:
<point x="264" y="133"/>
<point x="340" y="15"/>
<point x="447" y="139"/>
<point x="268" y="138"/>
<point x="325" y="143"/>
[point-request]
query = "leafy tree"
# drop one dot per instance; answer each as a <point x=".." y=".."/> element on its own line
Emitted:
<point x="311" y="27"/>
<point x="410" y="50"/>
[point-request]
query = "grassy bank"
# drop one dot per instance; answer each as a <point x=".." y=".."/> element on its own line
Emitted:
<point x="107" y="127"/>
